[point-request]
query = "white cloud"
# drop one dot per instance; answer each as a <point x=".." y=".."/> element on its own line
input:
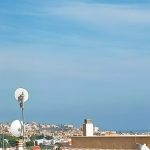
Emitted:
<point x="92" y="13"/>
<point x="101" y="14"/>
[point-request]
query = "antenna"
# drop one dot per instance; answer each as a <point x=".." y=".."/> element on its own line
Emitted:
<point x="22" y="96"/>
<point x="16" y="128"/>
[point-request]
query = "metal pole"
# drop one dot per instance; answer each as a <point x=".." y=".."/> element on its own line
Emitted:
<point x="22" y="110"/>
<point x="3" y="135"/>
<point x="21" y="97"/>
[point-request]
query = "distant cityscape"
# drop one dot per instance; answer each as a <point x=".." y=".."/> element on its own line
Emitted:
<point x="66" y="130"/>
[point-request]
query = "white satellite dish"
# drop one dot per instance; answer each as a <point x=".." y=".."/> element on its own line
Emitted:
<point x="16" y="128"/>
<point x="21" y="93"/>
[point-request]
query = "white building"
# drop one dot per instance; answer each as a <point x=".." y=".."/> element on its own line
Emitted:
<point x="87" y="128"/>
<point x="96" y="129"/>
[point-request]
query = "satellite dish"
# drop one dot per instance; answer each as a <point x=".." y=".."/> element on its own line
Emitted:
<point x="16" y="128"/>
<point x="21" y="94"/>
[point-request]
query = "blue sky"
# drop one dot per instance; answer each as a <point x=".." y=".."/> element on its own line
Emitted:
<point x="78" y="59"/>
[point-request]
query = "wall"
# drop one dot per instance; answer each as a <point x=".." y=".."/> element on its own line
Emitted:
<point x="110" y="142"/>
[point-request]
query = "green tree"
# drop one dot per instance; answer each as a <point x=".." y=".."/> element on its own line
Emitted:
<point x="30" y="143"/>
